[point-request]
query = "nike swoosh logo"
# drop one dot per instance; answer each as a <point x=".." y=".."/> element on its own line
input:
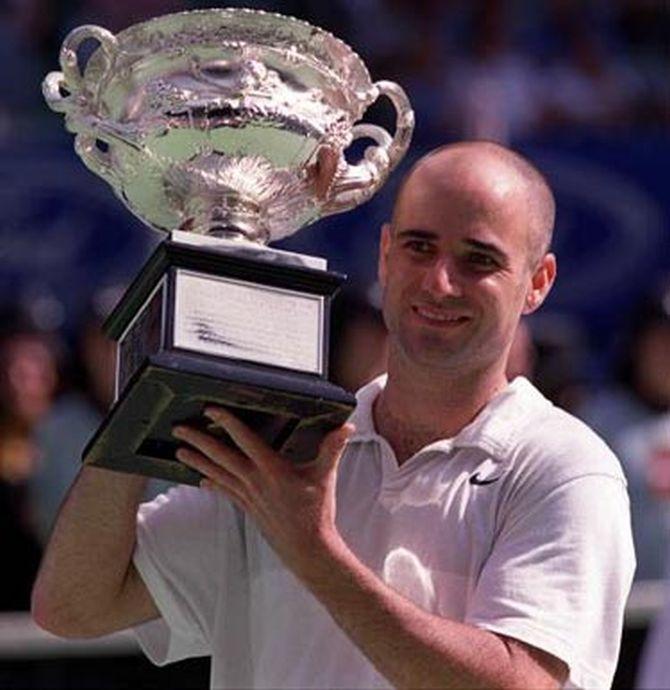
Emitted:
<point x="474" y="479"/>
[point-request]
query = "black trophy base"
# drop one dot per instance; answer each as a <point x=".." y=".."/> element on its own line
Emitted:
<point x="292" y="413"/>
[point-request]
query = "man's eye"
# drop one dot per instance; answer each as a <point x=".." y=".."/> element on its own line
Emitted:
<point x="482" y="260"/>
<point x="419" y="246"/>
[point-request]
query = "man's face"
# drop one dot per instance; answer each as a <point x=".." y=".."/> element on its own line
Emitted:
<point x="456" y="271"/>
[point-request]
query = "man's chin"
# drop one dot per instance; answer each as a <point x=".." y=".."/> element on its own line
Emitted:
<point x="437" y="355"/>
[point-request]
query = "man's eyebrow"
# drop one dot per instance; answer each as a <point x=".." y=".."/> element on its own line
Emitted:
<point x="429" y="235"/>
<point x="486" y="247"/>
<point x="416" y="234"/>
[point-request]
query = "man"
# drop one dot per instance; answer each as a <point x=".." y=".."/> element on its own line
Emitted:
<point x="459" y="532"/>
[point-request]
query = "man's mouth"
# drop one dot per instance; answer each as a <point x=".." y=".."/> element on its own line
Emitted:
<point x="438" y="315"/>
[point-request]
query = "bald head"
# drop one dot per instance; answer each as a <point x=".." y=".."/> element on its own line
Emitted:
<point x="504" y="175"/>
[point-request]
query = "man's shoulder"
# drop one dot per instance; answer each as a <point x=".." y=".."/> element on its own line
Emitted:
<point x="555" y="459"/>
<point x="552" y="438"/>
<point x="546" y="437"/>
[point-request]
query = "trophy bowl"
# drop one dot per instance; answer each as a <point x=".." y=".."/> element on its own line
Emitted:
<point x="225" y="128"/>
<point x="211" y="121"/>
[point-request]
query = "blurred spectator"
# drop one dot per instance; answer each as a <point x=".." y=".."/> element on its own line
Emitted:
<point x="27" y="29"/>
<point x="64" y="432"/>
<point x="654" y="668"/>
<point x="494" y="91"/>
<point x="358" y="343"/>
<point x="627" y="415"/>
<point x="522" y="355"/>
<point x="585" y="83"/>
<point x="655" y="663"/>
<point x="644" y="452"/>
<point x="116" y="15"/>
<point x="97" y="353"/>
<point x="401" y="40"/>
<point x="549" y="350"/>
<point x="559" y="346"/>
<point x="502" y="87"/>
<point x="644" y="26"/>
<point x="28" y="380"/>
<point x="641" y="389"/>
<point x="79" y="410"/>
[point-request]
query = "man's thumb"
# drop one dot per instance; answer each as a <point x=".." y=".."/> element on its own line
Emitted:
<point x="333" y="444"/>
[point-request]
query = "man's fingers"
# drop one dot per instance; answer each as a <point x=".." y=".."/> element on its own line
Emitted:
<point x="215" y="475"/>
<point x="333" y="444"/>
<point x="255" y="448"/>
<point x="325" y="169"/>
<point x="247" y="440"/>
<point x="215" y="450"/>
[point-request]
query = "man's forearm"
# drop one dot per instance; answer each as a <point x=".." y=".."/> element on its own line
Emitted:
<point x="295" y="511"/>
<point x="409" y="646"/>
<point x="89" y="551"/>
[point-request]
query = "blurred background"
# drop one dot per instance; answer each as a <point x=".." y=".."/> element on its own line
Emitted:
<point x="581" y="88"/>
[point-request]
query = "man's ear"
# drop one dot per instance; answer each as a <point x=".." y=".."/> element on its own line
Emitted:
<point x="541" y="283"/>
<point x="384" y="246"/>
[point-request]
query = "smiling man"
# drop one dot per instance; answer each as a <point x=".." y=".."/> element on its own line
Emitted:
<point x="459" y="532"/>
<point x="465" y="255"/>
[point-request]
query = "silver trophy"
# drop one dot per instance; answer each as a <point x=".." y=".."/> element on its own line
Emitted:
<point x="219" y="127"/>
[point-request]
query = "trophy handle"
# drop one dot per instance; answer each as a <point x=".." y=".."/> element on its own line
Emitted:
<point x="62" y="88"/>
<point x="68" y="53"/>
<point x="67" y="92"/>
<point x="355" y="184"/>
<point x="96" y="160"/>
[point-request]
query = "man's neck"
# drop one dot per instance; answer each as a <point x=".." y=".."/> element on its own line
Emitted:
<point x="417" y="408"/>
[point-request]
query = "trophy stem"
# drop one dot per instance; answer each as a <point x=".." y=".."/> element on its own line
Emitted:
<point x="231" y="216"/>
<point x="230" y="232"/>
<point x="229" y="226"/>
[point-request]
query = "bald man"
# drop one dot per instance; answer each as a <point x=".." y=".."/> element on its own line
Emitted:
<point x="459" y="531"/>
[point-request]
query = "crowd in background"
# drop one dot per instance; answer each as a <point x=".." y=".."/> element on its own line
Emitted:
<point x="484" y="69"/>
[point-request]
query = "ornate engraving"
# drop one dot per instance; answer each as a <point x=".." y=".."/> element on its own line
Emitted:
<point x="211" y="121"/>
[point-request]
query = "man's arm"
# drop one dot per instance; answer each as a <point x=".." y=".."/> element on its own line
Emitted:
<point x="416" y="649"/>
<point x="87" y="584"/>
<point x="294" y="507"/>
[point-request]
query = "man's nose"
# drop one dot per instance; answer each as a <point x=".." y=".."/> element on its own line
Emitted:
<point x="440" y="280"/>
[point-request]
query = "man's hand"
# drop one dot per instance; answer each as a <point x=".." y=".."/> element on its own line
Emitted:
<point x="293" y="505"/>
<point x="322" y="173"/>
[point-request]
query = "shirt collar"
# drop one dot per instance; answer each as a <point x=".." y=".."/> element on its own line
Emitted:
<point x="362" y="417"/>
<point x="494" y="429"/>
<point x="497" y="427"/>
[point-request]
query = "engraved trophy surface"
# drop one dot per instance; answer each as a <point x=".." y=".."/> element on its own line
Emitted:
<point x="209" y="125"/>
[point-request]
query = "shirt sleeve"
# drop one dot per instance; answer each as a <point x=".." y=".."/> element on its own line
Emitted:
<point x="180" y="554"/>
<point x="559" y="574"/>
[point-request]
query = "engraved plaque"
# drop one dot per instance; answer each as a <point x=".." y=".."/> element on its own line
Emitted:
<point x="258" y="323"/>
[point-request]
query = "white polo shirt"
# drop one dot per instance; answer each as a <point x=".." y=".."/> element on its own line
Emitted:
<point x="519" y="524"/>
